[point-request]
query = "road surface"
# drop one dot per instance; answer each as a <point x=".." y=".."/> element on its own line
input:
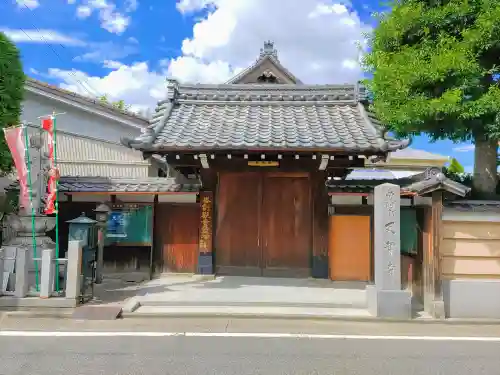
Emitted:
<point x="241" y="347"/>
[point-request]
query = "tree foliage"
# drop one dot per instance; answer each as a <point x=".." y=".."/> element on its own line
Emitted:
<point x="435" y="66"/>
<point x="119" y="104"/>
<point x="11" y="94"/>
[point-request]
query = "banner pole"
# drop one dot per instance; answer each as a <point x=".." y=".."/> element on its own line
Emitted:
<point x="28" y="162"/>
<point x="56" y="204"/>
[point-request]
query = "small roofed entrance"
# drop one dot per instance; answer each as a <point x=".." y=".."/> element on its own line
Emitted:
<point x="263" y="224"/>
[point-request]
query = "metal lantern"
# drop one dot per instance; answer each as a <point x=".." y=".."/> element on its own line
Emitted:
<point x="101" y="213"/>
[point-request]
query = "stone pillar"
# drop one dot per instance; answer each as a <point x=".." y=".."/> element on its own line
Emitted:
<point x="47" y="274"/>
<point x="385" y="298"/>
<point x="23" y="261"/>
<point x="205" y="258"/>
<point x="100" y="254"/>
<point x="2" y="271"/>
<point x="74" y="269"/>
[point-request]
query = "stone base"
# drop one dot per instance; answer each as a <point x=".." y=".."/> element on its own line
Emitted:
<point x="472" y="298"/>
<point x="205" y="264"/>
<point x="438" y="310"/>
<point x="389" y="303"/>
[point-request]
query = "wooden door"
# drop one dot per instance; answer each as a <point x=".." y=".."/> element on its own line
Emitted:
<point x="286" y="225"/>
<point x="237" y="250"/>
<point x="350" y="248"/>
<point x="178" y="227"/>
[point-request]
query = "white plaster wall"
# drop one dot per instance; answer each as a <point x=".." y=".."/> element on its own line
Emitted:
<point x="75" y="120"/>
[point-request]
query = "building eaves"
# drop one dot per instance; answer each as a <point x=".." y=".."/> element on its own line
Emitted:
<point x="121" y="185"/>
<point x="82" y="102"/>
<point x="422" y="184"/>
<point x="438" y="182"/>
<point x="246" y="116"/>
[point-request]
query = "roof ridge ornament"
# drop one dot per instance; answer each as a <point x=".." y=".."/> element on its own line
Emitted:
<point x="269" y="50"/>
<point x="172" y="88"/>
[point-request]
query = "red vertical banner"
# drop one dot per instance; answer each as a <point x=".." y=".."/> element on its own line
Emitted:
<point x="48" y="126"/>
<point x="15" y="140"/>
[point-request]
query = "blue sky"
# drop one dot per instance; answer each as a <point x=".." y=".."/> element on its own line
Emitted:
<point x="126" y="48"/>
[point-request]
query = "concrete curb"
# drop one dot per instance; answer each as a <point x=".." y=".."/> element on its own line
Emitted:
<point x="131" y="313"/>
<point x="134" y="305"/>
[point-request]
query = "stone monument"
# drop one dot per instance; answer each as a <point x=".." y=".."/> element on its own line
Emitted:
<point x="22" y="223"/>
<point x="386" y="298"/>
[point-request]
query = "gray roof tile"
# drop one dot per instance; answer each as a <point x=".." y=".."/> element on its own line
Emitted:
<point x="239" y="116"/>
<point x="120" y="185"/>
<point x="423" y="183"/>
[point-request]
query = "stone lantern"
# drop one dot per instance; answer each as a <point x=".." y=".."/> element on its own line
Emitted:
<point x="102" y="213"/>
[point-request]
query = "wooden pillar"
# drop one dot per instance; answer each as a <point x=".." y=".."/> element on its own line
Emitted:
<point x="205" y="243"/>
<point x="437" y="214"/>
<point x="319" y="196"/>
<point x="427" y="261"/>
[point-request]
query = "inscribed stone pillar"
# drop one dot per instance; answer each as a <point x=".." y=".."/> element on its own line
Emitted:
<point x="385" y="298"/>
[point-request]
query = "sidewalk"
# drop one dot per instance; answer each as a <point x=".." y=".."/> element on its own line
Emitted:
<point x="183" y="296"/>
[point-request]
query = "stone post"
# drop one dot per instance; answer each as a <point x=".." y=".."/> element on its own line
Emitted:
<point x="73" y="269"/>
<point x="2" y="271"/>
<point x="385" y="298"/>
<point x="22" y="272"/>
<point x="100" y="254"/>
<point x="47" y="274"/>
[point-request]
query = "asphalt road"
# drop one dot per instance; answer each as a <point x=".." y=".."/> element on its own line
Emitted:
<point x="240" y="356"/>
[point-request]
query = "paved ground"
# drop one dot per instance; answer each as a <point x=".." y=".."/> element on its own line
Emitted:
<point x="244" y="346"/>
<point x="221" y="325"/>
<point x="240" y="356"/>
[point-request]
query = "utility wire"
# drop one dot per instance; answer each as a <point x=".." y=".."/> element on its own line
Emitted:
<point x="93" y="94"/>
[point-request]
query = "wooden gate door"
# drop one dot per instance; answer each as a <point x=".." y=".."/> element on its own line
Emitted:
<point x="285" y="225"/>
<point x="179" y="237"/>
<point x="350" y="248"/>
<point x="237" y="249"/>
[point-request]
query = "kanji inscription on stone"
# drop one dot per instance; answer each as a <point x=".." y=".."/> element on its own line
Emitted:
<point x="387" y="255"/>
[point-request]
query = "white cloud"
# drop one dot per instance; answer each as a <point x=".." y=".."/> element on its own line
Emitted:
<point x="132" y="40"/>
<point x="83" y="11"/>
<point x="111" y="64"/>
<point x="112" y="19"/>
<point x="135" y="84"/>
<point x="43" y="36"/>
<point x="317" y="40"/>
<point x="464" y="148"/>
<point x="31" y="4"/>
<point x="99" y="52"/>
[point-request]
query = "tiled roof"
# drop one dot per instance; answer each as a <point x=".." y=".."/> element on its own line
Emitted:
<point x="269" y="116"/>
<point x="121" y="185"/>
<point x="423" y="183"/>
<point x="378" y="174"/>
<point x="412" y="153"/>
<point x="438" y="182"/>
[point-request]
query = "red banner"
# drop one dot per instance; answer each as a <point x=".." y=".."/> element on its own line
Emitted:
<point x="16" y="141"/>
<point x="48" y="125"/>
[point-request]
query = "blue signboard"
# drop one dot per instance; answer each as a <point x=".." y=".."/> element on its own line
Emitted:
<point x="130" y="226"/>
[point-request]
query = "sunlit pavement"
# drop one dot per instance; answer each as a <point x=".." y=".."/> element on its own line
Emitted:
<point x="243" y="346"/>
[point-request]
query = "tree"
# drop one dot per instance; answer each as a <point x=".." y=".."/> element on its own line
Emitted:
<point x="434" y="70"/>
<point x="11" y="94"/>
<point x="120" y="104"/>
